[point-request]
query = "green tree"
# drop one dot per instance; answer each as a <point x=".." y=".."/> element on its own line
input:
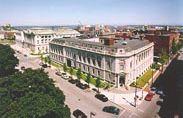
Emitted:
<point x="8" y="61"/>
<point x="71" y="71"/>
<point x="78" y="74"/>
<point x="88" y="79"/>
<point x="155" y="66"/>
<point x="42" y="58"/>
<point x="98" y="82"/>
<point x="49" y="60"/>
<point x="65" y="67"/>
<point x="31" y="94"/>
<point x="174" y="47"/>
<point x="46" y="59"/>
<point x="164" y="57"/>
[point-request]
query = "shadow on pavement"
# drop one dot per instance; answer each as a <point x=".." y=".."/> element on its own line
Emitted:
<point x="171" y="83"/>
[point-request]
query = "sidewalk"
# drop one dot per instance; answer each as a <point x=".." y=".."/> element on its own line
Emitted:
<point x="125" y="97"/>
<point x="23" y="50"/>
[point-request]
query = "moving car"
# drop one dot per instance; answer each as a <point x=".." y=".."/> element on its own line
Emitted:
<point x="149" y="96"/>
<point x="79" y="114"/>
<point x="101" y="97"/>
<point x="111" y="109"/>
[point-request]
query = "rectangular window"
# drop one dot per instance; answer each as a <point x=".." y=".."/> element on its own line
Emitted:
<point x="98" y="73"/>
<point x="93" y="71"/>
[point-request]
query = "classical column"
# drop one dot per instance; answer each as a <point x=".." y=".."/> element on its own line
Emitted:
<point x="117" y="78"/>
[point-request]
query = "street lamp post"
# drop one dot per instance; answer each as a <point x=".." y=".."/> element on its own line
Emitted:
<point x="92" y="114"/>
<point x="135" y="98"/>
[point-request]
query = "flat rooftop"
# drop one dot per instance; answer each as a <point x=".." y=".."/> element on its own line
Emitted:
<point x="127" y="45"/>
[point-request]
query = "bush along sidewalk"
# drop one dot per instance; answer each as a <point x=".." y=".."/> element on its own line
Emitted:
<point x="87" y="77"/>
<point x="77" y="73"/>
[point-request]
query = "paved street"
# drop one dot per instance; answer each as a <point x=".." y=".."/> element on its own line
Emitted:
<point x="75" y="97"/>
<point x="84" y="100"/>
<point x="171" y="82"/>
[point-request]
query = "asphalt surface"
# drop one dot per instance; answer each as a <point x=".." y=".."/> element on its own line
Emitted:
<point x="85" y="100"/>
<point x="75" y="97"/>
<point x="171" y="82"/>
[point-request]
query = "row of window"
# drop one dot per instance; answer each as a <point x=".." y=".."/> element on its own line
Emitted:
<point x="90" y="70"/>
<point x="88" y="60"/>
<point x="49" y="36"/>
<point x="85" y="45"/>
<point x="43" y="41"/>
<point x="142" y="56"/>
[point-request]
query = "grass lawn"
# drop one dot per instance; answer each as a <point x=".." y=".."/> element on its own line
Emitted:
<point x="143" y="79"/>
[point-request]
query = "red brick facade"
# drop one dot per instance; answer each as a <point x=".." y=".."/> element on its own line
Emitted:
<point x="162" y="40"/>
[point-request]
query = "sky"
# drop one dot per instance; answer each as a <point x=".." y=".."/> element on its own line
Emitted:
<point x="74" y="12"/>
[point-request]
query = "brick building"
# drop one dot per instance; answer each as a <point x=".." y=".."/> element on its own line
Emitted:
<point x="162" y="40"/>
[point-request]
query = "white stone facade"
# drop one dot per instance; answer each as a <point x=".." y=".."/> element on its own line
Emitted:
<point x="37" y="39"/>
<point x="117" y="64"/>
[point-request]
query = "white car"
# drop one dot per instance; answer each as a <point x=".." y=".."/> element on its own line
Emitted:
<point x="65" y="76"/>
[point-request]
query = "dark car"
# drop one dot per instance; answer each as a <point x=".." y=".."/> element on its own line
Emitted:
<point x="25" y="55"/>
<point x="149" y="96"/>
<point x="23" y="68"/>
<point x="101" y="97"/>
<point x="58" y="73"/>
<point x="81" y="86"/>
<point x="111" y="109"/>
<point x="44" y="65"/>
<point x="94" y="89"/>
<point x="86" y="85"/>
<point x="72" y="81"/>
<point x="79" y="114"/>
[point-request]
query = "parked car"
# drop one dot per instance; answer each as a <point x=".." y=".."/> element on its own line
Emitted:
<point x="41" y="63"/>
<point x="94" y="89"/>
<point x="79" y="114"/>
<point x="25" y="55"/>
<point x="111" y="109"/>
<point x="81" y="86"/>
<point x="72" y="81"/>
<point x="64" y="76"/>
<point x="23" y="68"/>
<point x="70" y="77"/>
<point x="160" y="92"/>
<point x="149" y="96"/>
<point x="153" y="89"/>
<point x="58" y="73"/>
<point x="101" y="97"/>
<point x="44" y="65"/>
<point x="86" y="85"/>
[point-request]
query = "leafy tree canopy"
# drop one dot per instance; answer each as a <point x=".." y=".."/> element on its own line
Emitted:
<point x="8" y="61"/>
<point x="31" y="94"/>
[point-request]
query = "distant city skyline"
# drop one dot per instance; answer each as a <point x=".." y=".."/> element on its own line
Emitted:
<point x="71" y="12"/>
